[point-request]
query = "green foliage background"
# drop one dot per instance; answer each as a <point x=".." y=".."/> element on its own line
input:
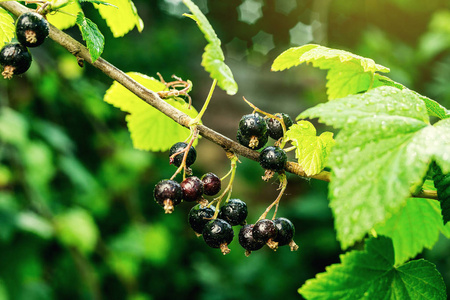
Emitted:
<point x="77" y="216"/>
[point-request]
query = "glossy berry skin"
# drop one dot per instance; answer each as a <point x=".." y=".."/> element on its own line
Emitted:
<point x="264" y="230"/>
<point x="234" y="212"/>
<point x="247" y="241"/>
<point x="252" y="125"/>
<point x="286" y="231"/>
<point x="168" y="193"/>
<point x="274" y="128"/>
<point x="218" y="234"/>
<point x="211" y="184"/>
<point x="273" y="158"/>
<point x="15" y="59"/>
<point x="192" y="188"/>
<point x="245" y="141"/>
<point x="31" y="29"/>
<point x="198" y="217"/>
<point x="177" y="159"/>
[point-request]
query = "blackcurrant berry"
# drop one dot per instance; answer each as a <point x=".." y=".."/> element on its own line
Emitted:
<point x="218" y="234"/>
<point x="253" y="142"/>
<point x="15" y="59"/>
<point x="177" y="159"/>
<point x="192" y="188"/>
<point x="247" y="241"/>
<point x="286" y="232"/>
<point x="252" y="125"/>
<point x="234" y="212"/>
<point x="31" y="29"/>
<point x="274" y="127"/>
<point x="168" y="194"/>
<point x="273" y="158"/>
<point x="211" y="184"/>
<point x="266" y="231"/>
<point x="198" y="217"/>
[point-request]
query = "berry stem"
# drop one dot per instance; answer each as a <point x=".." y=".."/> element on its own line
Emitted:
<point x="283" y="184"/>
<point x="229" y="188"/>
<point x="193" y="135"/>
<point x="282" y="142"/>
<point x="205" y="105"/>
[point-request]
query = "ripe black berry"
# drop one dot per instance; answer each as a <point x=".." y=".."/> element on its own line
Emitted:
<point x="15" y="59"/>
<point x="199" y="216"/>
<point x="211" y="184"/>
<point x="192" y="188"/>
<point x="247" y="241"/>
<point x="286" y="232"/>
<point x="254" y="142"/>
<point x="274" y="127"/>
<point x="31" y="29"/>
<point x="234" y="212"/>
<point x="218" y="234"/>
<point x="273" y="158"/>
<point x="168" y="194"/>
<point x="177" y="159"/>
<point x="252" y="125"/>
<point x="266" y="231"/>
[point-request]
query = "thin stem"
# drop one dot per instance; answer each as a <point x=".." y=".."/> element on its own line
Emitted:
<point x="283" y="185"/>
<point x="205" y="105"/>
<point x="229" y="187"/>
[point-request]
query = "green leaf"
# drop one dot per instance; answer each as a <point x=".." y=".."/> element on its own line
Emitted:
<point x="63" y="17"/>
<point x="311" y="150"/>
<point x="441" y="184"/>
<point x="95" y="41"/>
<point x="213" y="58"/>
<point x="98" y="2"/>
<point x="414" y="227"/>
<point x="76" y="228"/>
<point x="382" y="153"/>
<point x="121" y="16"/>
<point x="371" y="274"/>
<point x="150" y="129"/>
<point x="348" y="73"/>
<point x="7" y="28"/>
<point x="433" y="108"/>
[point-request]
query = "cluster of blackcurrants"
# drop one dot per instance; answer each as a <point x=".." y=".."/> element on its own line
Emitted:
<point x="217" y="228"/>
<point x="254" y="131"/>
<point x="31" y="31"/>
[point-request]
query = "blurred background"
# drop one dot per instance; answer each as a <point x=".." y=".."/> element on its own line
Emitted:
<point x="77" y="215"/>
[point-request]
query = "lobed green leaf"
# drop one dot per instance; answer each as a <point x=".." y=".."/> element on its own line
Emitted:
<point x="95" y="41"/>
<point x="372" y="274"/>
<point x="311" y="151"/>
<point x="149" y="128"/>
<point x="213" y="59"/>
<point x="414" y="227"/>
<point x="383" y="151"/>
<point x="7" y="28"/>
<point x="348" y="73"/>
<point x="121" y="16"/>
<point x="62" y="18"/>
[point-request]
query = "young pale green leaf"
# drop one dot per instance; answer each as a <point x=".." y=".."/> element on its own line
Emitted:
<point x="150" y="129"/>
<point x="383" y="149"/>
<point x="121" y="16"/>
<point x="213" y="59"/>
<point x="414" y="227"/>
<point x="433" y="108"/>
<point x="311" y="150"/>
<point x="95" y="41"/>
<point x="372" y="274"/>
<point x="348" y="73"/>
<point x="64" y="18"/>
<point x="7" y="29"/>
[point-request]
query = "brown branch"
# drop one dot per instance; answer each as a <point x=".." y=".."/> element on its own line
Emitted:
<point x="152" y="98"/>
